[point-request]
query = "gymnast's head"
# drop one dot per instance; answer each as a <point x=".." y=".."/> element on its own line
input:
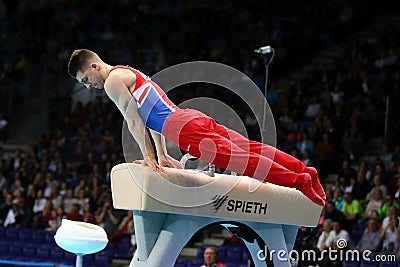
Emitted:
<point x="87" y="68"/>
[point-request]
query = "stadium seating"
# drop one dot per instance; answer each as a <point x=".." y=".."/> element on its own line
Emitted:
<point x="351" y="264"/>
<point x="11" y="234"/>
<point x="122" y="248"/>
<point x="43" y="251"/>
<point x="57" y="254"/>
<point x="368" y="264"/>
<point x="388" y="264"/>
<point x="29" y="251"/>
<point x="194" y="263"/>
<point x="181" y="262"/>
<point x="15" y="249"/>
<point x="25" y="235"/>
<point x="234" y="254"/>
<point x="38" y="236"/>
<point x="88" y="260"/>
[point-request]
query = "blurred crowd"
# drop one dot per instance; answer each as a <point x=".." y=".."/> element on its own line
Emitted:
<point x="325" y="116"/>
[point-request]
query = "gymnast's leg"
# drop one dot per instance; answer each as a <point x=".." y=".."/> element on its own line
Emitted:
<point x="198" y="137"/>
<point x="274" y="154"/>
<point x="222" y="152"/>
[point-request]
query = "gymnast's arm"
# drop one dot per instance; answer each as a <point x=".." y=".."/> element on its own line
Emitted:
<point x="164" y="159"/>
<point x="117" y="88"/>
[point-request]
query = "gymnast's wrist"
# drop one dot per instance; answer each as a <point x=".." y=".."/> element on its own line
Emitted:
<point x="161" y="155"/>
<point x="148" y="157"/>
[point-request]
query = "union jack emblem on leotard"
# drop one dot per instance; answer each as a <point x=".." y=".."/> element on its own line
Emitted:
<point x="141" y="93"/>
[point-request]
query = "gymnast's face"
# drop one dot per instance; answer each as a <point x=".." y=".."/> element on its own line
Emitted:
<point x="91" y="77"/>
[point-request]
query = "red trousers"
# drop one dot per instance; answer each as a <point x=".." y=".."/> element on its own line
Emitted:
<point x="202" y="137"/>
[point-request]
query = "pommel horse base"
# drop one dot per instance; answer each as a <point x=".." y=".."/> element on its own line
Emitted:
<point x="170" y="208"/>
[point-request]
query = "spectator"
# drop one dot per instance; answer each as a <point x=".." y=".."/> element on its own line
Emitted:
<point x="375" y="216"/>
<point x="80" y="187"/>
<point x="73" y="214"/>
<point x="306" y="157"/>
<point x="375" y="203"/>
<point x="63" y="190"/>
<point x="393" y="176"/>
<point x="361" y="188"/>
<point x="352" y="210"/>
<point x="329" y="194"/>
<point x="334" y="214"/>
<point x="41" y="219"/>
<point x="125" y="228"/>
<point x="88" y="215"/>
<point x="107" y="171"/>
<point x="324" y="149"/>
<point x="30" y="197"/>
<point x="352" y="184"/>
<point x="81" y="199"/>
<point x="305" y="143"/>
<point x="381" y="171"/>
<point x="55" y="197"/>
<point x="16" y="159"/>
<point x="378" y="185"/>
<point x="96" y="198"/>
<point x="391" y="236"/>
<point x="60" y="215"/>
<point x="69" y="200"/>
<point x="39" y="181"/>
<point x="211" y="258"/>
<point x="326" y="229"/>
<point x="51" y="184"/>
<point x="363" y="168"/>
<point x="14" y="216"/>
<point x="370" y="240"/>
<point x="340" y="183"/>
<point x="53" y="222"/>
<point x="336" y="234"/>
<point x="5" y="206"/>
<point x="397" y="193"/>
<point x="109" y="218"/>
<point x="338" y="198"/>
<point x="347" y="171"/>
<point x="17" y="184"/>
<point x="40" y="202"/>
<point x="384" y="211"/>
<point x="392" y="212"/>
<point x="61" y="173"/>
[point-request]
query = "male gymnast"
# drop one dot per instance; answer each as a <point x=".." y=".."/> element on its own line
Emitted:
<point x="191" y="130"/>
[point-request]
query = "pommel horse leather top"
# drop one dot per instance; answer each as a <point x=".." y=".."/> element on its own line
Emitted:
<point x="224" y="196"/>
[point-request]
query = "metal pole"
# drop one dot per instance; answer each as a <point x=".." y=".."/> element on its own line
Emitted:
<point x="79" y="260"/>
<point x="266" y="63"/>
<point x="265" y="95"/>
<point x="386" y="119"/>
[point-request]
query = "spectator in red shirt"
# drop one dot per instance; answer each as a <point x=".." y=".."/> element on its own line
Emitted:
<point x="211" y="258"/>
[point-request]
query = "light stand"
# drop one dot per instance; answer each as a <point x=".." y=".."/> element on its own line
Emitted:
<point x="267" y="53"/>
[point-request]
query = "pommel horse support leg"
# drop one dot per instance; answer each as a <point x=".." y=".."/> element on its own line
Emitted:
<point x="170" y="208"/>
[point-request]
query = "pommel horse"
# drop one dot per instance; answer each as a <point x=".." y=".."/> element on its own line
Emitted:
<point x="169" y="208"/>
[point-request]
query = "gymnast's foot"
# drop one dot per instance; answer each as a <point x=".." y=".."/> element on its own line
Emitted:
<point x="315" y="182"/>
<point x="304" y="184"/>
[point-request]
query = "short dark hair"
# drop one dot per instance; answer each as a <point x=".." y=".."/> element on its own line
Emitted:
<point x="79" y="60"/>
